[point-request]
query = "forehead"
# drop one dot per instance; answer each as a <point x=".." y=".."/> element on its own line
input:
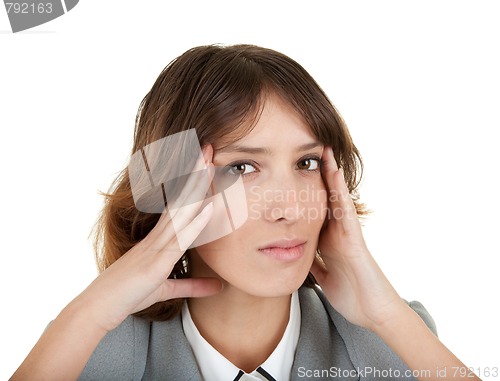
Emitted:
<point x="277" y="124"/>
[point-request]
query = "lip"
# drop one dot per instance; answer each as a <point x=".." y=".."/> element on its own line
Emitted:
<point x="284" y="250"/>
<point x="284" y="243"/>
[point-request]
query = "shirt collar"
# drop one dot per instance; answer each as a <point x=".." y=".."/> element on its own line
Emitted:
<point x="214" y="366"/>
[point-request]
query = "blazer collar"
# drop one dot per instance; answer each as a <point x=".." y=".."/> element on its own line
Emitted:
<point x="320" y="344"/>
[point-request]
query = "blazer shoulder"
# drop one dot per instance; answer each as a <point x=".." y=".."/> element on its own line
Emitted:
<point x="121" y="354"/>
<point x="414" y="305"/>
<point x="365" y="348"/>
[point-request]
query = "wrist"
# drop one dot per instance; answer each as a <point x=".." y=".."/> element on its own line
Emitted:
<point x="93" y="312"/>
<point x="83" y="315"/>
<point x="389" y="320"/>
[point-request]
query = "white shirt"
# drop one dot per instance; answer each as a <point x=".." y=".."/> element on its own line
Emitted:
<point x="215" y="367"/>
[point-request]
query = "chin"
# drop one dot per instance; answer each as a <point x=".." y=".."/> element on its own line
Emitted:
<point x="276" y="286"/>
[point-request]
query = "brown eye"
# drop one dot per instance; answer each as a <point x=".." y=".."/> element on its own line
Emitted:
<point x="309" y="164"/>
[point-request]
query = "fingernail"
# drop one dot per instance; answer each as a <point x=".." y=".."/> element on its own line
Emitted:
<point x="205" y="158"/>
<point x="207" y="209"/>
<point x="206" y="154"/>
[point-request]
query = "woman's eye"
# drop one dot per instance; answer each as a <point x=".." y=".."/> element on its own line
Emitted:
<point x="240" y="169"/>
<point x="309" y="164"/>
<point x="243" y="168"/>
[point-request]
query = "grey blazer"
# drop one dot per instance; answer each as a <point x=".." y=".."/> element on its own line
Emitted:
<point x="329" y="348"/>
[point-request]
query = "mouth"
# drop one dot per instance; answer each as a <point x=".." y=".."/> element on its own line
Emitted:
<point x="284" y="250"/>
<point x="284" y="243"/>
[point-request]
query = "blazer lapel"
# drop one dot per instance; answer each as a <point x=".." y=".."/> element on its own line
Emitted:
<point x="170" y="354"/>
<point x="365" y="351"/>
<point x="320" y="349"/>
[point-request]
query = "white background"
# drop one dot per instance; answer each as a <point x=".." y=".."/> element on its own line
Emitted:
<point x="417" y="83"/>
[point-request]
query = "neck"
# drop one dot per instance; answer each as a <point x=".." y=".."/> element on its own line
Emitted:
<point x="244" y="328"/>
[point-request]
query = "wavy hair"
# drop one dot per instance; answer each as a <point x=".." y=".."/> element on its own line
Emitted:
<point x="220" y="91"/>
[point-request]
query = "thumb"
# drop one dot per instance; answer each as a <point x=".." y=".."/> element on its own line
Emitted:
<point x="189" y="288"/>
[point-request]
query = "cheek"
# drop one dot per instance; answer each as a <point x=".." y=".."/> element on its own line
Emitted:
<point x="224" y="257"/>
<point x="313" y="202"/>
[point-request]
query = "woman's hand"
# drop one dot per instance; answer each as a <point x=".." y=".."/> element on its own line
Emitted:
<point x="140" y="277"/>
<point x="357" y="288"/>
<point x="349" y="276"/>
<point x="135" y="281"/>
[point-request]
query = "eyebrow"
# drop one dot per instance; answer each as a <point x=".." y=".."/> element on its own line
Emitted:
<point x="264" y="150"/>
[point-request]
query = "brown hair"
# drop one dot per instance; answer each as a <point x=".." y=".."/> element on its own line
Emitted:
<point x="217" y="90"/>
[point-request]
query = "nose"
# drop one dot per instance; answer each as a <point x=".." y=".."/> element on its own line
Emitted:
<point x="280" y="199"/>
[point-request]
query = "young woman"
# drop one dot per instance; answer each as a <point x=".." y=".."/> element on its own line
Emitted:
<point x="292" y="293"/>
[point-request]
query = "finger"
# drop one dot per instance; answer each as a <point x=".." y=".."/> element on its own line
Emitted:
<point x="209" y="157"/>
<point x="176" y="199"/>
<point x="328" y="159"/>
<point x="164" y="232"/>
<point x="189" y="288"/>
<point x="329" y="168"/>
<point x="181" y="288"/>
<point x="174" y="221"/>
<point x="186" y="236"/>
<point x="208" y="153"/>
<point x="341" y="205"/>
<point x="178" y="241"/>
<point x="196" y="192"/>
<point x="203" y="162"/>
<point x="166" y="251"/>
<point x="195" y="188"/>
<point x="345" y="210"/>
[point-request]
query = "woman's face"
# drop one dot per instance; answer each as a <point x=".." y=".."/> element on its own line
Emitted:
<point x="272" y="252"/>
